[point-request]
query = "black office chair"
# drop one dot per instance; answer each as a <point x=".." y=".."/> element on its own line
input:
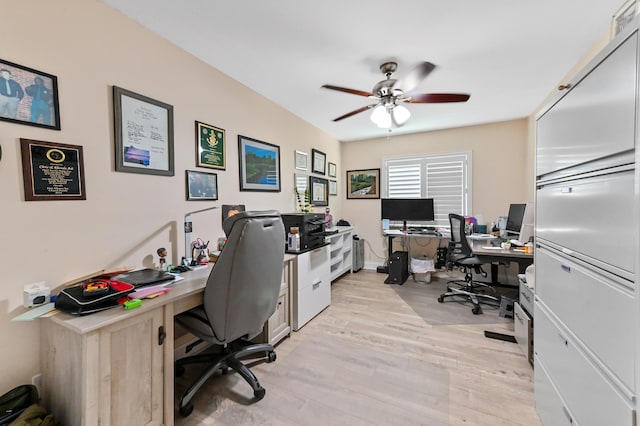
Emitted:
<point x="461" y="255"/>
<point x="241" y="294"/>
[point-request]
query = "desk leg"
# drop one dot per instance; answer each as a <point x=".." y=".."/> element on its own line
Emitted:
<point x="384" y="269"/>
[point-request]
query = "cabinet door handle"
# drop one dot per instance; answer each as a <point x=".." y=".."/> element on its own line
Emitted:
<point x="564" y="86"/>
<point x="316" y="284"/>
<point x="563" y="339"/>
<point x="161" y="335"/>
<point x="567" y="190"/>
<point x="519" y="318"/>
<point x="566" y="413"/>
<point x="566" y="268"/>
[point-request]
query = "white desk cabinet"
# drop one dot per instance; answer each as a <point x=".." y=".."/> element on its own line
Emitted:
<point x="586" y="293"/>
<point x="311" y="285"/>
<point x="341" y="245"/>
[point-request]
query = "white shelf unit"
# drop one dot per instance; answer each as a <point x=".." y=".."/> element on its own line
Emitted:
<point x="341" y="251"/>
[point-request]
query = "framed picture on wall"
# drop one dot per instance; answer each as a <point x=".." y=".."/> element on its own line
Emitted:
<point x="210" y="145"/>
<point x="332" y="170"/>
<point x="201" y="186"/>
<point x="318" y="161"/>
<point x="28" y="96"/>
<point x="333" y="187"/>
<point x="259" y="165"/>
<point x="363" y="184"/>
<point x="143" y="134"/>
<point x="318" y="191"/>
<point x="302" y="160"/>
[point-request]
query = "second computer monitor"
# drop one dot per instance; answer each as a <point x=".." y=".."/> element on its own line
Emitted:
<point x="520" y="221"/>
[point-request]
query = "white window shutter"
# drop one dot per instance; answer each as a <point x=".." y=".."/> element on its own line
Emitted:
<point x="445" y="178"/>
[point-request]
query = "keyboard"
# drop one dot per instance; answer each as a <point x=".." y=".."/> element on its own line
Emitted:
<point x="516" y="243"/>
<point x="480" y="236"/>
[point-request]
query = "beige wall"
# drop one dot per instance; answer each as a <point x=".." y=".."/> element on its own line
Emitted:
<point x="126" y="217"/>
<point x="499" y="153"/>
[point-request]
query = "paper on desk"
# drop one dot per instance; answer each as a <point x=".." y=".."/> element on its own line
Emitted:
<point x="491" y="248"/>
<point x="34" y="313"/>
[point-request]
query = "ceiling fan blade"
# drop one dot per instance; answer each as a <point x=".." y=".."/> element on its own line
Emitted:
<point x="357" y="111"/>
<point x="415" y="76"/>
<point x="346" y="90"/>
<point x="437" y="98"/>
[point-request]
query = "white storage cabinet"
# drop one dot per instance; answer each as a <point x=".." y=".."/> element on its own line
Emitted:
<point x="586" y="294"/>
<point x="341" y="249"/>
<point x="311" y="285"/>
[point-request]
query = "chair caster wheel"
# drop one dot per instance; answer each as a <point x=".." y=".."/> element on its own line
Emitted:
<point x="186" y="410"/>
<point x="179" y="370"/>
<point x="440" y="299"/>
<point x="476" y="310"/>
<point x="271" y="356"/>
<point x="259" y="394"/>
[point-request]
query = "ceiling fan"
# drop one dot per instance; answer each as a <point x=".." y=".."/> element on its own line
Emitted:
<point x="391" y="93"/>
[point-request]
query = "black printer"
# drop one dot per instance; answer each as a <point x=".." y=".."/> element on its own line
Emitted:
<point x="310" y="226"/>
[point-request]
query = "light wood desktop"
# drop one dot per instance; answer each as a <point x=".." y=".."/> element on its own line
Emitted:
<point x="116" y="366"/>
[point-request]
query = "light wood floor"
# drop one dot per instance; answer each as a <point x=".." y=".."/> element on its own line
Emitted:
<point x="381" y="355"/>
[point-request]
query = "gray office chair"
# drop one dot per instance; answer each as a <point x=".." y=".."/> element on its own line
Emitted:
<point x="461" y="255"/>
<point x="241" y="294"/>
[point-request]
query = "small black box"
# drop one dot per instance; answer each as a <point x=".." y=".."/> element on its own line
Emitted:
<point x="398" y="268"/>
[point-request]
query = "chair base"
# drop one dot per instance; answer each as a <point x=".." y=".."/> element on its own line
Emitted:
<point x="469" y="290"/>
<point x="229" y="358"/>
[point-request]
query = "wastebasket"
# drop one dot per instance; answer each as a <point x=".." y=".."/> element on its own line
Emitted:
<point x="421" y="268"/>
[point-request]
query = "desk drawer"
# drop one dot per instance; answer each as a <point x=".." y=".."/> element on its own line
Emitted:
<point x="599" y="312"/>
<point x="577" y="214"/>
<point x="523" y="331"/>
<point x="525" y="297"/>
<point x="590" y="397"/>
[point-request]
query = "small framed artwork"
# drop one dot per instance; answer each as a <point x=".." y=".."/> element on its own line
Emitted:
<point x="143" y="134"/>
<point x="318" y="191"/>
<point x="259" y="165"/>
<point x="210" y="144"/>
<point x="201" y="186"/>
<point x="52" y="171"/>
<point x="332" y="170"/>
<point x="333" y="187"/>
<point x="28" y="96"/>
<point x="363" y="184"/>
<point x="318" y="161"/>
<point x="302" y="161"/>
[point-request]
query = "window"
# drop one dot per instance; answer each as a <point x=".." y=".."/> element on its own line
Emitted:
<point x="445" y="178"/>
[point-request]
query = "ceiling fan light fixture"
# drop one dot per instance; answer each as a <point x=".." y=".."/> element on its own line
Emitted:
<point x="377" y="116"/>
<point x="401" y="114"/>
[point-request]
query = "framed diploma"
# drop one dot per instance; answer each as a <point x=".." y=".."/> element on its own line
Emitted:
<point x="143" y="134"/>
<point x="52" y="171"/>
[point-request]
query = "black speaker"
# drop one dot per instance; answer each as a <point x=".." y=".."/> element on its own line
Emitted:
<point x="398" y="268"/>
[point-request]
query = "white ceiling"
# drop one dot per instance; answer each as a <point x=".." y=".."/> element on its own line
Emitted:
<point x="508" y="54"/>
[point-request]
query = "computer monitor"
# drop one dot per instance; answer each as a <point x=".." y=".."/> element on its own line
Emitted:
<point x="520" y="221"/>
<point x="408" y="209"/>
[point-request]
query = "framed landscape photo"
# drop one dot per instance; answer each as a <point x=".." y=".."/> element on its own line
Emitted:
<point x="332" y="170"/>
<point x="363" y="184"/>
<point x="28" y="96"/>
<point x="201" y="186"/>
<point x="210" y="144"/>
<point x="318" y="191"/>
<point x="318" y="161"/>
<point x="259" y="165"/>
<point x="143" y="134"/>
<point x="302" y="161"/>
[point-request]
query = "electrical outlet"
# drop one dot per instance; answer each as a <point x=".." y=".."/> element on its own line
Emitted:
<point x="37" y="382"/>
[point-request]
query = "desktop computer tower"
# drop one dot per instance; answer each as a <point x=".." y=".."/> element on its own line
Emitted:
<point x="357" y="254"/>
<point x="398" y="268"/>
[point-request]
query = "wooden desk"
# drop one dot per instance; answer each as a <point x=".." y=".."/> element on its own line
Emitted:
<point x="495" y="255"/>
<point x="115" y="367"/>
